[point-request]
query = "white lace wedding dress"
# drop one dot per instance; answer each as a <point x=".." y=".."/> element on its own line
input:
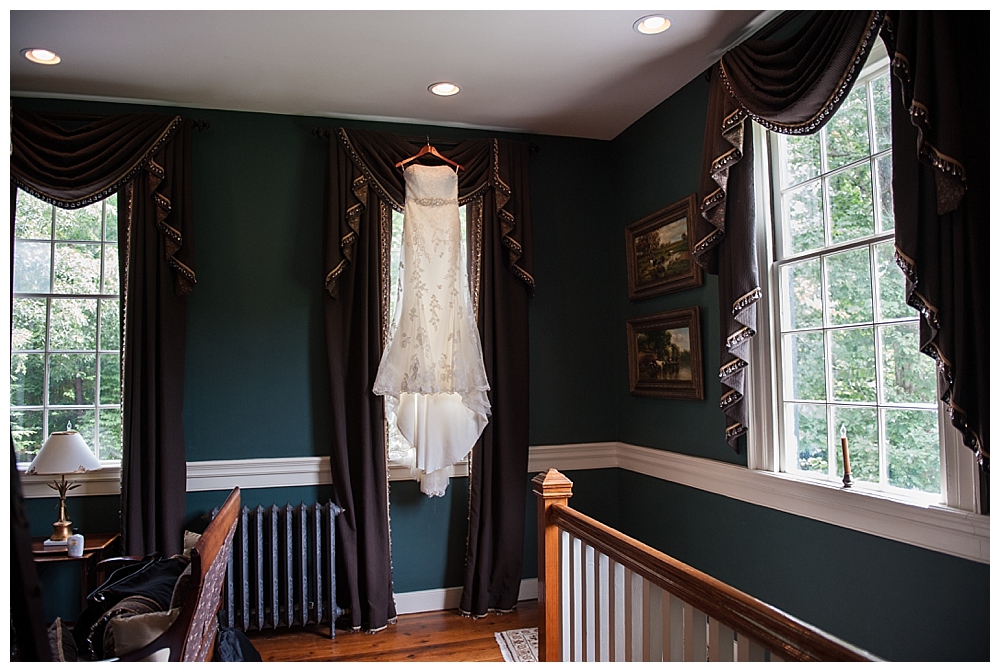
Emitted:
<point x="432" y="372"/>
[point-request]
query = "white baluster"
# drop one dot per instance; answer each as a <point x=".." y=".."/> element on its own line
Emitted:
<point x="695" y="635"/>
<point x="720" y="642"/>
<point x="654" y="622"/>
<point x="605" y="613"/>
<point x="589" y="605"/>
<point x="636" y="617"/>
<point x="565" y="594"/>
<point x="747" y="650"/>
<point x="576" y="603"/>
<point x="620" y="622"/>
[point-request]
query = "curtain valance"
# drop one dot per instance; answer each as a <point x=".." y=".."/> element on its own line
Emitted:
<point x="86" y="160"/>
<point x="485" y="163"/>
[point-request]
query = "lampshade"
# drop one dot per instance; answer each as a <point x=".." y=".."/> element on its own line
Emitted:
<point x="64" y="453"/>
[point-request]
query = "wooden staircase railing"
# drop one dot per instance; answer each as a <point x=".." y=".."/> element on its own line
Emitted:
<point x="603" y="596"/>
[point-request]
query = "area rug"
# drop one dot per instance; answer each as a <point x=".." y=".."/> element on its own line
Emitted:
<point x="519" y="646"/>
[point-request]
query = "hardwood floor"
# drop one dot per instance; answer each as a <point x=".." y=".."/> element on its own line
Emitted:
<point x="439" y="636"/>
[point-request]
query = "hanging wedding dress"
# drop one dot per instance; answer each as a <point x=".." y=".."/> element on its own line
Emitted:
<point x="432" y="372"/>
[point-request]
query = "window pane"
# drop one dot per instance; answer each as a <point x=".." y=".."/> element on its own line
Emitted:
<point x="914" y="456"/>
<point x="803" y="291"/>
<point x="111" y="368"/>
<point x="801" y="158"/>
<point x="851" y="214"/>
<point x="909" y="374"/>
<point x="110" y="435"/>
<point x="111" y="285"/>
<point x="72" y="379"/>
<point x="847" y="132"/>
<point x="891" y="284"/>
<point x="77" y="269"/>
<point x="28" y="324"/>
<point x="111" y="218"/>
<point x="881" y="99"/>
<point x="862" y="441"/>
<point x="886" y="217"/>
<point x="31" y="267"/>
<point x="806" y="378"/>
<point x="110" y="325"/>
<point x="849" y="284"/>
<point x="27" y="380"/>
<point x="853" y="353"/>
<point x="33" y="218"/>
<point x="82" y="420"/>
<point x="803" y="219"/>
<point x="26" y="432"/>
<point x="73" y="324"/>
<point x="805" y="432"/>
<point x="80" y="224"/>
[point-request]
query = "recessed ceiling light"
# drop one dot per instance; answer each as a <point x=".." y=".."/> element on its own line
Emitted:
<point x="41" y="56"/>
<point x="443" y="89"/>
<point x="651" y="25"/>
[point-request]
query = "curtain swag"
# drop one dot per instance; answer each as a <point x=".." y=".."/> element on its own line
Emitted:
<point x="793" y="85"/>
<point x="74" y="167"/>
<point x="789" y="85"/>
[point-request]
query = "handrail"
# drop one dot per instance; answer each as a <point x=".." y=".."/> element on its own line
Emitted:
<point x="784" y="635"/>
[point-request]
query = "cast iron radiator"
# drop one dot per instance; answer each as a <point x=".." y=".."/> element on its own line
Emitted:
<point x="282" y="568"/>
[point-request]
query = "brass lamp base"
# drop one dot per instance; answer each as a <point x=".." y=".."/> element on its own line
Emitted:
<point x="61" y="531"/>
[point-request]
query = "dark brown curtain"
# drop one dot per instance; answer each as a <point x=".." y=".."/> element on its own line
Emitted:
<point x="790" y="85"/>
<point x="362" y="185"/>
<point x="940" y="179"/>
<point x="146" y="158"/>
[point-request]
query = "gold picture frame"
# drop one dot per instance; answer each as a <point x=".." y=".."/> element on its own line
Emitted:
<point x="664" y="355"/>
<point x="660" y="251"/>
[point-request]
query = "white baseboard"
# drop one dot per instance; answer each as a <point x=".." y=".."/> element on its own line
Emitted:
<point x="444" y="599"/>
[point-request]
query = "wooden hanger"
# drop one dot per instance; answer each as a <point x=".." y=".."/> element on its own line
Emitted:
<point x="429" y="149"/>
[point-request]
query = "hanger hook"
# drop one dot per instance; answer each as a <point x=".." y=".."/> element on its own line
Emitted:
<point x="428" y="138"/>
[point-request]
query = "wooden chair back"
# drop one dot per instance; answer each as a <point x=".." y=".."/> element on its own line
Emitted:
<point x="191" y="638"/>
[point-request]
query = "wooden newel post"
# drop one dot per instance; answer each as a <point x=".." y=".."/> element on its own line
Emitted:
<point x="551" y="489"/>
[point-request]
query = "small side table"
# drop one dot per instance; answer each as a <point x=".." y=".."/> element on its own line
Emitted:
<point x="94" y="548"/>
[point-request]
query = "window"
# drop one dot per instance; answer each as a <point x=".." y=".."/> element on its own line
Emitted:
<point x="401" y="453"/>
<point x="65" y="359"/>
<point x="839" y="341"/>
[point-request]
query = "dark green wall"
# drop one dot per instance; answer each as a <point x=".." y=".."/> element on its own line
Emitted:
<point x="256" y="387"/>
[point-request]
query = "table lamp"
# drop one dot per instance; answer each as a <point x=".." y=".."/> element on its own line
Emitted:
<point x="63" y="453"/>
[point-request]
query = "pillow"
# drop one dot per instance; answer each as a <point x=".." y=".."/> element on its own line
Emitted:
<point x="62" y="646"/>
<point x="183" y="589"/>
<point x="133" y="632"/>
<point x="190" y="539"/>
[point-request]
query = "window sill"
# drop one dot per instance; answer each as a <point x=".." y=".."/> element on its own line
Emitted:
<point x="935" y="527"/>
<point x="107" y="481"/>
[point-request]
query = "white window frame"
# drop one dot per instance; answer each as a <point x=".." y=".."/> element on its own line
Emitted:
<point x="959" y="482"/>
<point x="109" y="465"/>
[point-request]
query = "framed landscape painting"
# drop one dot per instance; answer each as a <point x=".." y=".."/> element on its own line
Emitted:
<point x="664" y="355"/>
<point x="659" y="251"/>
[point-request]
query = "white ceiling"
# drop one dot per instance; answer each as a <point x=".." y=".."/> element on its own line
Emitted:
<point x="574" y="73"/>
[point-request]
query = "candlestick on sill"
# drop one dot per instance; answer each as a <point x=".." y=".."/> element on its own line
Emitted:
<point x="848" y="480"/>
